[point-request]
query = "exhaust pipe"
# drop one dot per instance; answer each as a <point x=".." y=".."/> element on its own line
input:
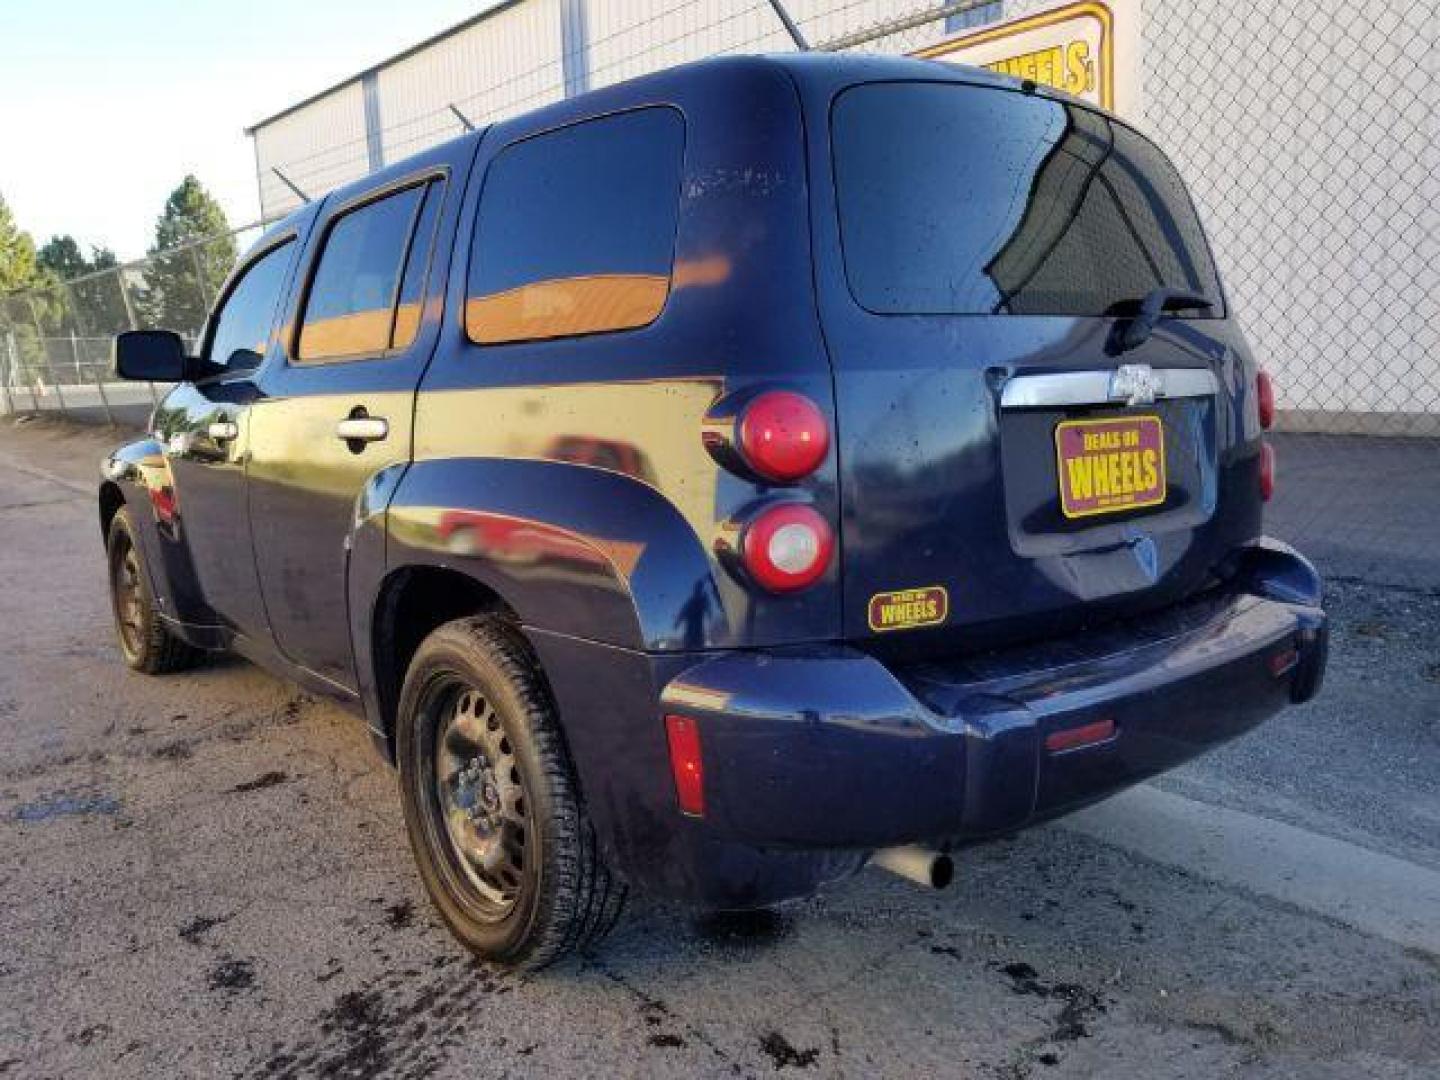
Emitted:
<point x="932" y="869"/>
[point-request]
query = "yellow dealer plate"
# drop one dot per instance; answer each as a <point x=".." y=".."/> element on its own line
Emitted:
<point x="1110" y="465"/>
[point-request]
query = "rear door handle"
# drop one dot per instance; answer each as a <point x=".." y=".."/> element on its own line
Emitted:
<point x="363" y="429"/>
<point x="224" y="430"/>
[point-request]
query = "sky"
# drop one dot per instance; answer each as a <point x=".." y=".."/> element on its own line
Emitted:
<point x="105" y="105"/>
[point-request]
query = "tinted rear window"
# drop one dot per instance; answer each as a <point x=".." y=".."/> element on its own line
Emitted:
<point x="576" y="231"/>
<point x="972" y="201"/>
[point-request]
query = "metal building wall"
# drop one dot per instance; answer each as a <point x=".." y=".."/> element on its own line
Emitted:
<point x="1312" y="144"/>
<point x="506" y="64"/>
<point x="632" y="37"/>
<point x="519" y="57"/>
<point x="507" y="61"/>
<point x="1307" y="133"/>
<point x="320" y="147"/>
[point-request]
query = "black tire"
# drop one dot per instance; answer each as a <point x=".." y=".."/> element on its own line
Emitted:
<point x="516" y="872"/>
<point x="146" y="643"/>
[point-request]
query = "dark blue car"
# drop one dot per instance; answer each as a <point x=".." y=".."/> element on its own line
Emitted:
<point x="722" y="480"/>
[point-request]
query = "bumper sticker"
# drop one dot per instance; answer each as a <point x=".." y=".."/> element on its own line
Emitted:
<point x="907" y="609"/>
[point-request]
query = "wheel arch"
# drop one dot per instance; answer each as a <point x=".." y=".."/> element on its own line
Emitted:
<point x="110" y="501"/>
<point x="567" y="549"/>
<point x="574" y="549"/>
<point x="411" y="603"/>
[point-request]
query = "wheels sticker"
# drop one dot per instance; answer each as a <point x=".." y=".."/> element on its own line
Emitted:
<point x="908" y="609"/>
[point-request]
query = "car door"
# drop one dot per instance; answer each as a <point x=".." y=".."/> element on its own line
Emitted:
<point x="337" y="404"/>
<point x="202" y="425"/>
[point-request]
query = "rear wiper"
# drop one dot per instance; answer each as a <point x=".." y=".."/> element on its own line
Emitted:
<point x="1156" y="303"/>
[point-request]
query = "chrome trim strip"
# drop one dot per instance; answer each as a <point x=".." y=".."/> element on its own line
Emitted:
<point x="1093" y="387"/>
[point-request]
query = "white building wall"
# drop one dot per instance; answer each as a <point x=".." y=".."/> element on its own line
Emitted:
<point x="319" y="147"/>
<point x="632" y="37"/>
<point x="504" y="65"/>
<point x="1310" y="136"/>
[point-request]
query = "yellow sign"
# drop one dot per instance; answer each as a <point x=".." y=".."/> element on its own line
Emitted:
<point x="1070" y="48"/>
<point x="1112" y="464"/>
<point x="909" y="608"/>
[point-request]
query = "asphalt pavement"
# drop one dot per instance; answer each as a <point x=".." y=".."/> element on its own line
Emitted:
<point x="207" y="875"/>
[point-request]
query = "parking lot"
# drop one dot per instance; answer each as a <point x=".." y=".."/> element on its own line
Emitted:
<point x="207" y="875"/>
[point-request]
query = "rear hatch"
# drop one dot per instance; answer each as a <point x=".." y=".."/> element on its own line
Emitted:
<point x="1010" y="465"/>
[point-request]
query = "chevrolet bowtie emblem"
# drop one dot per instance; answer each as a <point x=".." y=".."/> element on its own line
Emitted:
<point x="1136" y="384"/>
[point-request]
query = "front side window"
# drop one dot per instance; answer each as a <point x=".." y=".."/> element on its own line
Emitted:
<point x="243" y="323"/>
<point x="350" y="309"/>
<point x="576" y="230"/>
<point x="973" y="201"/>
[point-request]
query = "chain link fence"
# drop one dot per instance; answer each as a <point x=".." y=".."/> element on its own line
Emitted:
<point x="55" y="342"/>
<point x="1307" y="132"/>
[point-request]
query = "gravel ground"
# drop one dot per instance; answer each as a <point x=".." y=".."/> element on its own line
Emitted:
<point x="207" y="875"/>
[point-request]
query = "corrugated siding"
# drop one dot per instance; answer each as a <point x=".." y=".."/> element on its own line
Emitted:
<point x="1320" y="201"/>
<point x="513" y="61"/>
<point x="504" y="65"/>
<point x="319" y="147"/>
<point x="633" y="37"/>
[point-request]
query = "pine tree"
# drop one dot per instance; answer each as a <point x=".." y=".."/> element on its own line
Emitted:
<point x="182" y="284"/>
<point x="28" y="305"/>
<point x="62" y="256"/>
<point x="18" y="268"/>
<point x="95" y="300"/>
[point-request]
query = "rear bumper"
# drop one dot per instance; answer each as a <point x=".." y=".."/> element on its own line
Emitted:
<point x="815" y="756"/>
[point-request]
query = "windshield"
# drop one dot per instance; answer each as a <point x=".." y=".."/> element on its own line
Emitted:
<point x="967" y="200"/>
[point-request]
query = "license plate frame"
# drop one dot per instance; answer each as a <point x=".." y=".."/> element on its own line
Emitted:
<point x="1123" y="455"/>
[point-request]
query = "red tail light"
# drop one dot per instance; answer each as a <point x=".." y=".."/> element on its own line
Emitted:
<point x="787" y="548"/>
<point x="683" y="735"/>
<point x="783" y="436"/>
<point x="1265" y="399"/>
<point x="1267" y="471"/>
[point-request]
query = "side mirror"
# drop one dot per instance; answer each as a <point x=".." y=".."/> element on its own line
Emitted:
<point x="150" y="356"/>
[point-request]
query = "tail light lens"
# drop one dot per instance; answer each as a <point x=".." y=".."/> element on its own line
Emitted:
<point x="1267" y="471"/>
<point x="683" y="735"/>
<point x="787" y="548"/>
<point x="1265" y="399"/>
<point x="783" y="436"/>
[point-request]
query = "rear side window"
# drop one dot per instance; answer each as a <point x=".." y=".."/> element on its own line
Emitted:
<point x="417" y="268"/>
<point x="242" y="325"/>
<point x="351" y="307"/>
<point x="972" y="201"/>
<point x="576" y="230"/>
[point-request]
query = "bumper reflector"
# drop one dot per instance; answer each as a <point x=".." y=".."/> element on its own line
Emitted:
<point x="1076" y="737"/>
<point x="1283" y="662"/>
<point x="683" y="735"/>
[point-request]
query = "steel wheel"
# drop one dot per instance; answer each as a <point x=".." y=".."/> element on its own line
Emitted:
<point x="146" y="643"/>
<point x="128" y="597"/>
<point x="500" y="835"/>
<point x="481" y="796"/>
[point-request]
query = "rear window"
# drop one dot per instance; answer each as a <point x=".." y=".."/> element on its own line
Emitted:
<point x="972" y="201"/>
<point x="576" y="231"/>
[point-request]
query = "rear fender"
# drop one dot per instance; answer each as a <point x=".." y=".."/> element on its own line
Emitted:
<point x="571" y="549"/>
